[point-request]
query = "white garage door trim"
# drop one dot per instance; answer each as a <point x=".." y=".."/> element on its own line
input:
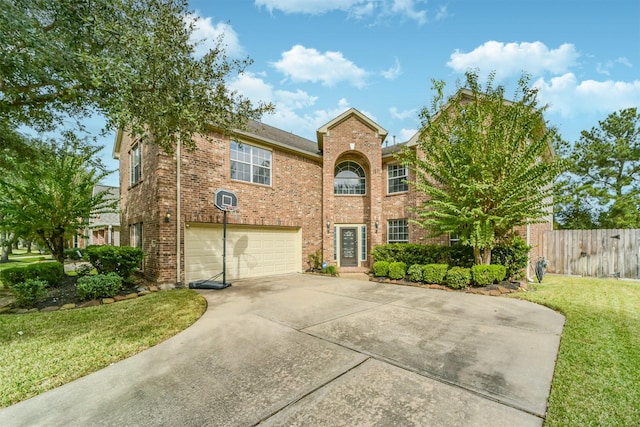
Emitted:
<point x="251" y="251"/>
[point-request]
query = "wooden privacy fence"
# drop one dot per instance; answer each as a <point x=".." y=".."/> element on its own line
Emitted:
<point x="595" y="253"/>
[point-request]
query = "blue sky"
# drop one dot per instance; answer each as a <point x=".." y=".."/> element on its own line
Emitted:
<point x="313" y="59"/>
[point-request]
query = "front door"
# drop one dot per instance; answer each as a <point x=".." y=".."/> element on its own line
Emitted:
<point x="348" y="247"/>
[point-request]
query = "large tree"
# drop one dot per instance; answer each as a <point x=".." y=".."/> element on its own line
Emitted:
<point x="604" y="173"/>
<point x="51" y="195"/>
<point x="484" y="163"/>
<point x="131" y="60"/>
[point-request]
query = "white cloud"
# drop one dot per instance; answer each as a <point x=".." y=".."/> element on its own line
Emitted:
<point x="407" y="8"/>
<point x="358" y="9"/>
<point x="205" y="36"/>
<point x="301" y="64"/>
<point x="604" y="68"/>
<point x="406" y="134"/>
<point x="403" y="115"/>
<point x="393" y="72"/>
<point x="568" y="97"/>
<point x="313" y="7"/>
<point x="514" y="58"/>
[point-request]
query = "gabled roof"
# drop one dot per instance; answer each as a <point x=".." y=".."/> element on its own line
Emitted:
<point x="257" y="131"/>
<point x="104" y="219"/>
<point x="351" y="112"/>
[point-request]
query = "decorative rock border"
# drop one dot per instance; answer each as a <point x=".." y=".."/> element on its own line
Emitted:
<point x="85" y="304"/>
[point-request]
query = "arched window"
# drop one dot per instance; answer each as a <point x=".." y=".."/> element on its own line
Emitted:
<point x="349" y="178"/>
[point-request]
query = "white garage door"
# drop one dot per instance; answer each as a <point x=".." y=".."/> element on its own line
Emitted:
<point x="251" y="251"/>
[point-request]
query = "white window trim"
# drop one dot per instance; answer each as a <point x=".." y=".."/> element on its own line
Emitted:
<point x="389" y="233"/>
<point x="135" y="147"/>
<point x="406" y="178"/>
<point x="251" y="164"/>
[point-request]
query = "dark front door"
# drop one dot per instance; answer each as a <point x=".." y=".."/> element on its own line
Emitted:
<point x="348" y="247"/>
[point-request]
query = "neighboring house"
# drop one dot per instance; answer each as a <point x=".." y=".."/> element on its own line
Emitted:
<point x="102" y="228"/>
<point x="342" y="194"/>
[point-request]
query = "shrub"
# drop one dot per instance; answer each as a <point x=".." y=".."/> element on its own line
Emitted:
<point x="397" y="270"/>
<point x="514" y="255"/>
<point x="29" y="292"/>
<point x="434" y="273"/>
<point x="458" y="277"/>
<point x="122" y="260"/>
<point x="51" y="272"/>
<point x="483" y="275"/>
<point x="101" y="285"/>
<point x="74" y="254"/>
<point x="315" y="260"/>
<point x="380" y="268"/>
<point x="330" y="269"/>
<point x="415" y="273"/>
<point x="410" y="253"/>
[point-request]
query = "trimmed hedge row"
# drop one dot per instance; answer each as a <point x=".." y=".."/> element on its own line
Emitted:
<point x="50" y="272"/>
<point x="512" y="255"/>
<point x="455" y="277"/>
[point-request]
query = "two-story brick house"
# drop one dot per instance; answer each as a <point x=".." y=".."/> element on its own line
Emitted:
<point x="342" y="194"/>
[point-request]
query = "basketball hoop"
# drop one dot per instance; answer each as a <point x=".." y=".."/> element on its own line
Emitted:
<point x="233" y="210"/>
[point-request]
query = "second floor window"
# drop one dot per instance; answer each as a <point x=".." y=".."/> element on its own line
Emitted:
<point x="397" y="178"/>
<point x="349" y="179"/>
<point x="135" y="164"/>
<point x="250" y="164"/>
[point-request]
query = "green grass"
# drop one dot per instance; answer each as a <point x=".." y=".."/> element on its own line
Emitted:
<point x="597" y="376"/>
<point x="41" y="351"/>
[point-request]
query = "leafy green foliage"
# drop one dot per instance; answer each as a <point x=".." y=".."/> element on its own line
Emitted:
<point x="413" y="253"/>
<point x="397" y="270"/>
<point x="381" y="268"/>
<point x="415" y="273"/>
<point x="331" y="270"/>
<point x="29" y="292"/>
<point x="484" y="275"/>
<point x="315" y="260"/>
<point x="73" y="254"/>
<point x="122" y="260"/>
<point x="132" y="61"/>
<point x="601" y="188"/>
<point x="458" y="277"/>
<point x="485" y="163"/>
<point x="51" y="273"/>
<point x="434" y="273"/>
<point x="51" y="194"/>
<point x="100" y="285"/>
<point x="513" y="254"/>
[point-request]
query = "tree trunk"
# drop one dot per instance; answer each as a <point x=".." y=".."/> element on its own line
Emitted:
<point x="28" y="243"/>
<point x="4" y="255"/>
<point x="482" y="255"/>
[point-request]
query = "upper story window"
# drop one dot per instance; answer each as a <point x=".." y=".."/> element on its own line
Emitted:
<point x="349" y="179"/>
<point x="397" y="178"/>
<point x="135" y="164"/>
<point x="397" y="231"/>
<point x="250" y="163"/>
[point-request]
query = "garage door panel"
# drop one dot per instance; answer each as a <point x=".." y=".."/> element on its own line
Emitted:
<point x="251" y="251"/>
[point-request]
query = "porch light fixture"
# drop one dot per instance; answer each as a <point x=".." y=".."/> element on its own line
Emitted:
<point x="167" y="216"/>
<point x="377" y="224"/>
<point x="328" y="227"/>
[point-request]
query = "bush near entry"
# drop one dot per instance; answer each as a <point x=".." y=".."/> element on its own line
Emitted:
<point x="101" y="285"/>
<point x="29" y="292"/>
<point x="484" y="275"/>
<point x="458" y="277"/>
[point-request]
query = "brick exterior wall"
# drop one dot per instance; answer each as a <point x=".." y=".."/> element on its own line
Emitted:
<point x="301" y="196"/>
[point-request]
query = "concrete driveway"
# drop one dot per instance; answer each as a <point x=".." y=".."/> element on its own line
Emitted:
<point x="312" y="351"/>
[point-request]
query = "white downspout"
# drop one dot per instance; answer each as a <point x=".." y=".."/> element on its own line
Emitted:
<point x="178" y="275"/>
<point x="529" y="279"/>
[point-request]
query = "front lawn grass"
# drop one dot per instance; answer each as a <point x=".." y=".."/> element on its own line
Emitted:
<point x="597" y="376"/>
<point x="41" y="351"/>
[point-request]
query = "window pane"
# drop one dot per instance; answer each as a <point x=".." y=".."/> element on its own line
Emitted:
<point x="398" y="231"/>
<point x="397" y="176"/>
<point x="250" y="164"/>
<point x="349" y="178"/>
